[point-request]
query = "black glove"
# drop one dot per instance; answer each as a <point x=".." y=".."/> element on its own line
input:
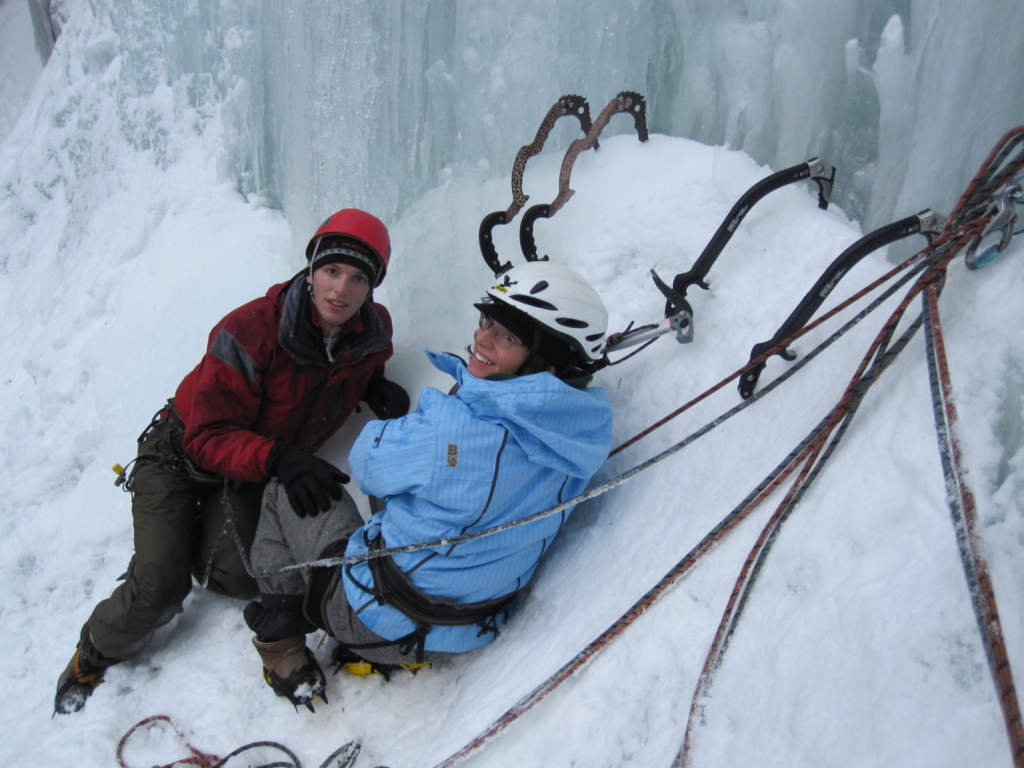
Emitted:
<point x="310" y="482"/>
<point x="386" y="399"/>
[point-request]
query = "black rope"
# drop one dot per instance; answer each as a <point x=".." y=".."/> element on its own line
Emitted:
<point x="293" y="761"/>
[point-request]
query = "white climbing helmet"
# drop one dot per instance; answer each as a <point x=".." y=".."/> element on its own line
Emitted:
<point x="559" y="299"/>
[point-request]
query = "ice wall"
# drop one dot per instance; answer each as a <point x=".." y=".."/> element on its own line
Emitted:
<point x="904" y="96"/>
<point x="17" y="54"/>
<point x="325" y="103"/>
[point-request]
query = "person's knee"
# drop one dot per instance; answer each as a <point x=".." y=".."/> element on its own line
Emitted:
<point x="162" y="586"/>
<point x="238" y="585"/>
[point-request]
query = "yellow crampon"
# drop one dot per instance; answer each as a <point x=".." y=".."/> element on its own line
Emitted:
<point x="363" y="668"/>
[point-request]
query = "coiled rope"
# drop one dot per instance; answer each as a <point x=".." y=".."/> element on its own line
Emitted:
<point x="342" y="757"/>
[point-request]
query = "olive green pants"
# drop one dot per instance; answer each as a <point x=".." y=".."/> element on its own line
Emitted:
<point x="181" y="531"/>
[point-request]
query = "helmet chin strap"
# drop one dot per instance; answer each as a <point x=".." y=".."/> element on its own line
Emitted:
<point x="534" y="349"/>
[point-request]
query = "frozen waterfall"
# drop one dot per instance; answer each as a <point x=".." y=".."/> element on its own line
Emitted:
<point x="375" y="103"/>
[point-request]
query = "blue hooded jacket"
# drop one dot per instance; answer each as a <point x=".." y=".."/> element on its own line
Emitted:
<point x="493" y="452"/>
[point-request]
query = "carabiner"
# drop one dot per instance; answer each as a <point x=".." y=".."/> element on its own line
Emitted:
<point x="1003" y="221"/>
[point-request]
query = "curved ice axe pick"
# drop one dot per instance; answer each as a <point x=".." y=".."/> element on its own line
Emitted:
<point x="815" y="168"/>
<point x="569" y="105"/>
<point x="626" y="101"/>
<point x="926" y="222"/>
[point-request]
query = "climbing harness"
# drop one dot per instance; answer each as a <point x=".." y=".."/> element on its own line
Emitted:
<point x="180" y="462"/>
<point x="392" y="586"/>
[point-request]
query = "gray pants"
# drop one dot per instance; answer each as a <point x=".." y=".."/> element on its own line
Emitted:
<point x="284" y="539"/>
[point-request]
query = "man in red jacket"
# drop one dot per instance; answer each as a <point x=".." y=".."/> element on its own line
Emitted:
<point x="280" y="376"/>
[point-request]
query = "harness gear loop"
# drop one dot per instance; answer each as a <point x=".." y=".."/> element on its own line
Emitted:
<point x="180" y="462"/>
<point x="204" y="481"/>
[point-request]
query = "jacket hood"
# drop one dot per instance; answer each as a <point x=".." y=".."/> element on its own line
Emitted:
<point x="559" y="426"/>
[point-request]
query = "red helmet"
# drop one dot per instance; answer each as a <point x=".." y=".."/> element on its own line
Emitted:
<point x="362" y="227"/>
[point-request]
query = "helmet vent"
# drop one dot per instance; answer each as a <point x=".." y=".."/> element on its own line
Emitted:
<point x="570" y="322"/>
<point x="562" y="305"/>
<point x="533" y="301"/>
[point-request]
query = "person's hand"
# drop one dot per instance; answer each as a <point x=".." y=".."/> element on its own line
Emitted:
<point x="386" y="399"/>
<point x="310" y="482"/>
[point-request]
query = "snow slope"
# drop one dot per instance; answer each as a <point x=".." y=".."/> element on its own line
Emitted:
<point x="858" y="645"/>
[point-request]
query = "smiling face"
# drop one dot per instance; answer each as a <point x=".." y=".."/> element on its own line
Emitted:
<point x="339" y="290"/>
<point x="495" y="350"/>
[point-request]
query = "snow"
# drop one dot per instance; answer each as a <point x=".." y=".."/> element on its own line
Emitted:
<point x="124" y="238"/>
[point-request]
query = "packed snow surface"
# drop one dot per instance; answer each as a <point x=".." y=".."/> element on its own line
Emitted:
<point x="122" y="244"/>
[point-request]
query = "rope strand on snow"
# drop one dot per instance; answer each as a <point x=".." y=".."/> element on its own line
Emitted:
<point x="766" y="488"/>
<point x="342" y="757"/>
<point x="964" y="512"/>
<point x="959" y="229"/>
<point x="957" y="232"/>
<point x="198" y="758"/>
<point x="813" y="459"/>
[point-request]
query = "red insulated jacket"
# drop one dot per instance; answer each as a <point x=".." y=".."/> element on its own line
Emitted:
<point x="266" y="377"/>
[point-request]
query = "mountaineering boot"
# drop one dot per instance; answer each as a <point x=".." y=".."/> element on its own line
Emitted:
<point x="290" y="669"/>
<point x="344" y="659"/>
<point x="82" y="674"/>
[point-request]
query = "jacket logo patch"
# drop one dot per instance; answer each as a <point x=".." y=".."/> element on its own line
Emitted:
<point x="453" y="454"/>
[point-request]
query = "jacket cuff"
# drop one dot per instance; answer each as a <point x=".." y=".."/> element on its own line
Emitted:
<point x="270" y="463"/>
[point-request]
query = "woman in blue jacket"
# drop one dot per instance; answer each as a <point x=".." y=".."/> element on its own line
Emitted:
<point x="520" y="432"/>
